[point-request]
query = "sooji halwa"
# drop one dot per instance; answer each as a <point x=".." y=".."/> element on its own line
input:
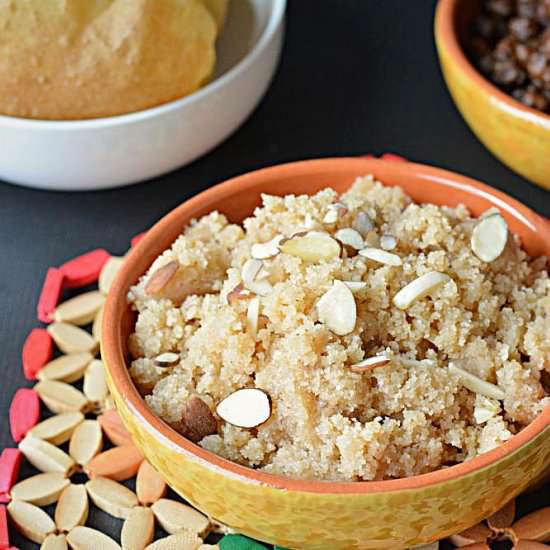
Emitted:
<point x="358" y="337"/>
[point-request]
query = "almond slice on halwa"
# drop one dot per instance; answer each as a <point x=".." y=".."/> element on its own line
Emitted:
<point x="86" y="538"/>
<point x="32" y="522"/>
<point x="161" y="277"/>
<point x="485" y="408"/>
<point x="40" y="490"/>
<point x="419" y="288"/>
<point x="67" y="368"/>
<point x="81" y="309"/>
<point x="370" y="363"/>
<point x="337" y="309"/>
<point x="166" y="360"/>
<point x="46" y="457"/>
<point x="245" y="408"/>
<point x="174" y="516"/>
<point x="253" y="316"/>
<point x="388" y="242"/>
<point x="197" y="420"/>
<point x="57" y="429"/>
<point x="350" y="237"/>
<point x="476" y="384"/>
<point x="72" y="508"/>
<point x="249" y="274"/>
<point x="269" y="249"/>
<point x="313" y="246"/>
<point x="381" y="256"/>
<point x="113" y="498"/>
<point x="237" y="294"/>
<point x="363" y="223"/>
<point x="489" y="237"/>
<point x="335" y="211"/>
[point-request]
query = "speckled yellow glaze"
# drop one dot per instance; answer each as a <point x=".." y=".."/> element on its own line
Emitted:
<point x="517" y="135"/>
<point x="322" y="515"/>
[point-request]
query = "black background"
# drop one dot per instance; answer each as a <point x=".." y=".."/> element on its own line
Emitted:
<point x="355" y="77"/>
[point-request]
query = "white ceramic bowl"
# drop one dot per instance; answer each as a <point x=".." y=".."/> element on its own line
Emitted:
<point x="111" y="151"/>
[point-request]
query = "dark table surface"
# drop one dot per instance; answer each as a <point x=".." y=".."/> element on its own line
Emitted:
<point x="355" y="77"/>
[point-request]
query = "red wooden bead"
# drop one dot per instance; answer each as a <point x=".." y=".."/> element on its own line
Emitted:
<point x="393" y="157"/>
<point x="4" y="533"/>
<point x="49" y="297"/>
<point x="37" y="351"/>
<point x="137" y="238"/>
<point x="24" y="412"/>
<point x="10" y="462"/>
<point x="84" y="270"/>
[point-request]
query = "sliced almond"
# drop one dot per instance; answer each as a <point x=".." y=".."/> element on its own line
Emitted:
<point x="150" y="485"/>
<point x="534" y="526"/>
<point x="138" y="529"/>
<point x="197" y="421"/>
<point x="174" y="516"/>
<point x="41" y="489"/>
<point x="72" y="508"/>
<point x="350" y="237"/>
<point x="95" y="383"/>
<point x="111" y="497"/>
<point x="71" y="339"/>
<point x="81" y="309"/>
<point x="249" y="274"/>
<point x="86" y="538"/>
<point x="57" y="429"/>
<point x="489" y="237"/>
<point x="388" y="242"/>
<point x="253" y="316"/>
<point x="335" y="212"/>
<point x="477" y="533"/>
<point x="269" y="249"/>
<point x="46" y="457"/>
<point x="246" y="408"/>
<point x="476" y="384"/>
<point x="370" y="363"/>
<point x="313" y="246"/>
<point x="337" y="309"/>
<point x="118" y="463"/>
<point x="238" y="294"/>
<point x="183" y="540"/>
<point x="32" y="522"/>
<point x="114" y="428"/>
<point x="363" y="223"/>
<point x="55" y="542"/>
<point x="60" y="397"/>
<point x="331" y="216"/>
<point x="166" y="360"/>
<point x="485" y="408"/>
<point x="503" y="518"/>
<point x="67" y="368"/>
<point x="86" y="442"/>
<point x="381" y="256"/>
<point x="109" y="272"/>
<point x="97" y="325"/>
<point x="355" y="286"/>
<point x="419" y="288"/>
<point x="161" y="277"/>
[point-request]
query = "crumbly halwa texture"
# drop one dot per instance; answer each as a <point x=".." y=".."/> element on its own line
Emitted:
<point x="328" y="422"/>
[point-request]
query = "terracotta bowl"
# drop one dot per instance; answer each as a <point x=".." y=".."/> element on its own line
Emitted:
<point x="518" y="135"/>
<point x="310" y="514"/>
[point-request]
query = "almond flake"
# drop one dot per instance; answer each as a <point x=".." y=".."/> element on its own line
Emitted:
<point x="173" y="516"/>
<point x="81" y="309"/>
<point x="534" y="526"/>
<point x="109" y="273"/>
<point x="95" y="384"/>
<point x="503" y="518"/>
<point x="183" y="540"/>
<point x="313" y="246"/>
<point x="114" y="428"/>
<point x="331" y="216"/>
<point x="67" y="368"/>
<point x="381" y="256"/>
<point x="72" y="508"/>
<point x="363" y="223"/>
<point x="55" y="542"/>
<point x="46" y="457"/>
<point x="138" y="529"/>
<point x="489" y="237"/>
<point x="98" y="324"/>
<point x="60" y="397"/>
<point x="161" y="277"/>
<point x="477" y="385"/>
<point x="478" y="533"/>
<point x="253" y="316"/>
<point x="41" y="489"/>
<point x="71" y="339"/>
<point x="264" y="251"/>
<point x="249" y="274"/>
<point x="388" y="242"/>
<point x="406" y="362"/>
<point x="111" y="497"/>
<point x="350" y="237"/>
<point x="57" y="429"/>
<point x="118" y="463"/>
<point x="337" y="309"/>
<point x="32" y="522"/>
<point x="419" y="288"/>
<point x="238" y="294"/>
<point x="86" y="442"/>
<point x="86" y="538"/>
<point x="355" y="286"/>
<point x="150" y="485"/>
<point x="166" y="360"/>
<point x="246" y="408"/>
<point x="197" y="421"/>
<point x="370" y="363"/>
<point x="485" y="408"/>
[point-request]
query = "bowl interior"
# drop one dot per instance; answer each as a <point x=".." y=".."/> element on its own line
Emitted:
<point x="236" y="199"/>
